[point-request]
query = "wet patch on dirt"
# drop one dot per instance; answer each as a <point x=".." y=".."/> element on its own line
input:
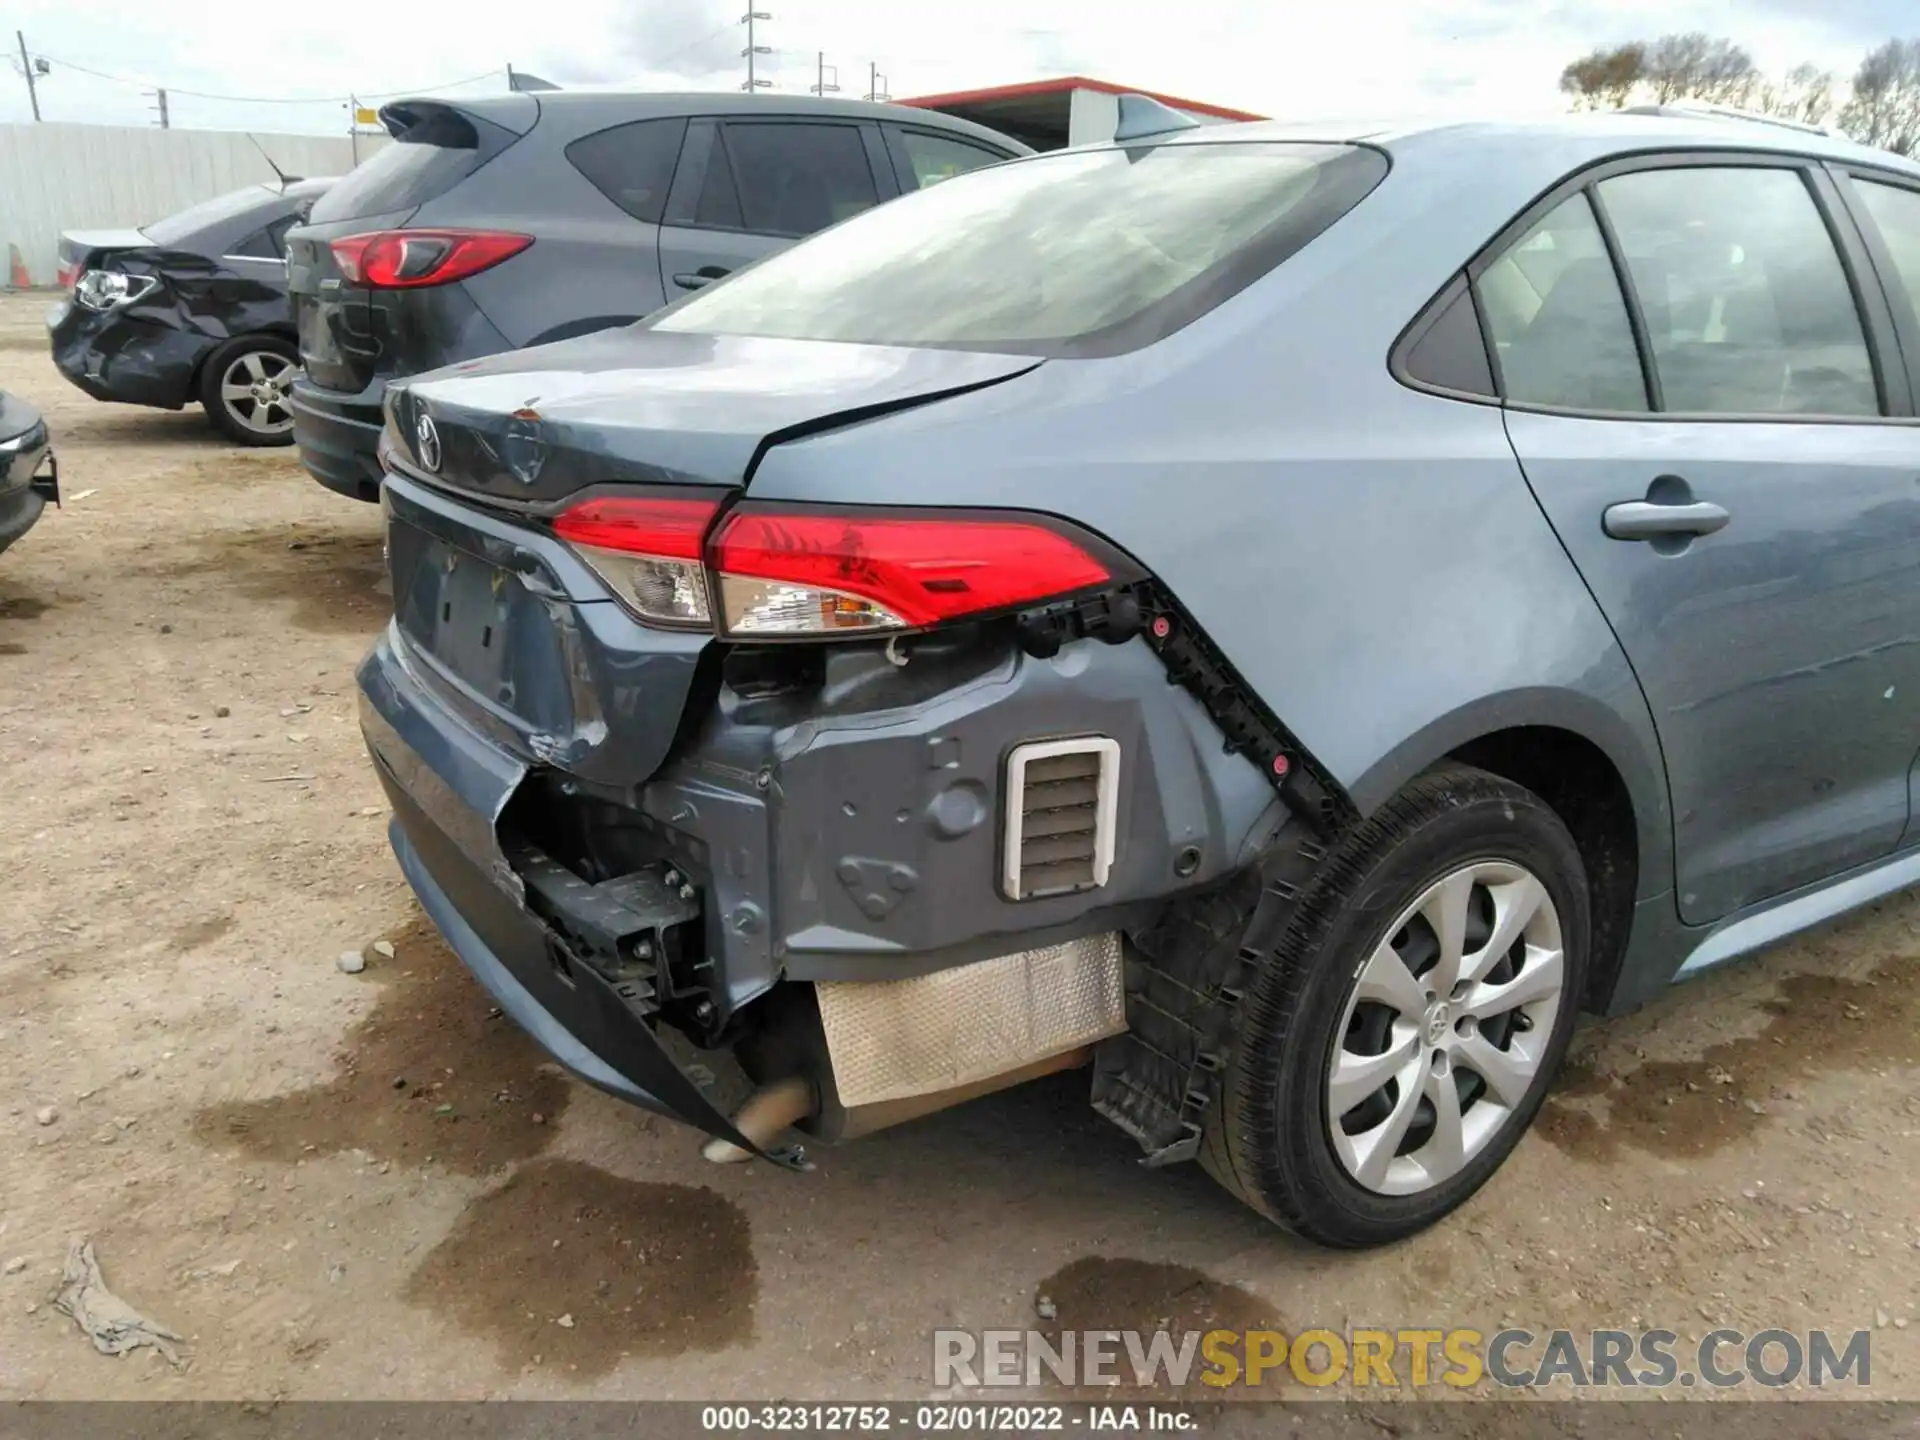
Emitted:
<point x="434" y="1072"/>
<point x="1099" y="1293"/>
<point x="1687" y="1108"/>
<point x="8" y="647"/>
<point x="22" y="607"/>
<point x="201" y="932"/>
<point x="566" y="1266"/>
<point x="335" y="579"/>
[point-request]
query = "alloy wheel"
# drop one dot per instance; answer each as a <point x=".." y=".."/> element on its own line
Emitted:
<point x="1447" y="1027"/>
<point x="254" y="392"/>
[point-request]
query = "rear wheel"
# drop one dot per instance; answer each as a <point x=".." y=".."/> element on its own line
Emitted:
<point x="1398" y="1041"/>
<point x="244" y="387"/>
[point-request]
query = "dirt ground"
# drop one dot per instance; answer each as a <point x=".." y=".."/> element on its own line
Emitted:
<point x="372" y="1185"/>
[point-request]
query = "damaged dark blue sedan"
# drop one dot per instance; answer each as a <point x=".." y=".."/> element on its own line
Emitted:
<point x="190" y="308"/>
<point x="1285" y="619"/>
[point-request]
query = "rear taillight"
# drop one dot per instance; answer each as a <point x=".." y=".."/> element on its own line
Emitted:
<point x="794" y="572"/>
<point x="798" y="573"/>
<point x="409" y="259"/>
<point x="648" y="549"/>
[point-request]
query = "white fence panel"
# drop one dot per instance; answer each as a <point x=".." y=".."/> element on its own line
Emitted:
<point x="56" y="177"/>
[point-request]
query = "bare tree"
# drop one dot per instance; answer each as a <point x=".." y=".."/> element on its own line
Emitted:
<point x="1884" y="109"/>
<point x="1604" y="79"/>
<point x="1805" y="93"/>
<point x="1696" y="66"/>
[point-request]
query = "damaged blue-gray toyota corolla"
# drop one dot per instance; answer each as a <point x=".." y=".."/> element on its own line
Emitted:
<point x="1284" y="619"/>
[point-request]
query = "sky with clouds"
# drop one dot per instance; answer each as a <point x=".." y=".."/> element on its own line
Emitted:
<point x="291" y="67"/>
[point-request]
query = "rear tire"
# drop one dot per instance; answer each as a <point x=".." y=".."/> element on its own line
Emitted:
<point x="1334" y="1118"/>
<point x="244" y="388"/>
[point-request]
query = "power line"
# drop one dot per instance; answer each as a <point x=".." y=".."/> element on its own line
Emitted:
<point x="271" y="99"/>
<point x="695" y="44"/>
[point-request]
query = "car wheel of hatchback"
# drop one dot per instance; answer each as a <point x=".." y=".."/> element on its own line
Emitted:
<point x="244" y="386"/>
<point x="1398" y="1041"/>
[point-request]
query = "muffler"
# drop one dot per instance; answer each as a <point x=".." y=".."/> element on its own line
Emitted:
<point x="868" y="1054"/>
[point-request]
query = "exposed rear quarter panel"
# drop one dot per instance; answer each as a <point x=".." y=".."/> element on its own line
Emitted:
<point x="1369" y="557"/>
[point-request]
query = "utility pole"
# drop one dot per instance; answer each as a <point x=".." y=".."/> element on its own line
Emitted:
<point x="824" y="86"/>
<point x="753" y="80"/>
<point x="160" y="95"/>
<point x="26" y="69"/>
<point x="876" y="83"/>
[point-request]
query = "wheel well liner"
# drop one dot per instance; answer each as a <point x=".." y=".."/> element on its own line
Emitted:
<point x="1581" y="785"/>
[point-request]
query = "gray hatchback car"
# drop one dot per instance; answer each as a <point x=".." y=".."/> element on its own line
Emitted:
<point x="521" y="219"/>
<point x="1285" y="618"/>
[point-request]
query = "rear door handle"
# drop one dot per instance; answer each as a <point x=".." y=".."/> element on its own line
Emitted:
<point x="705" y="275"/>
<point x="1650" y="520"/>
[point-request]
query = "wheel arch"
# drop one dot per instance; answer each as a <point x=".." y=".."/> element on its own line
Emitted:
<point x="1598" y="770"/>
<point x="215" y="345"/>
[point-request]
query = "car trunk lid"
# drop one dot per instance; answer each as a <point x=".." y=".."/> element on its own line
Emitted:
<point x="653" y="406"/>
<point x="80" y="250"/>
<point x="345" y="328"/>
<point x="527" y="639"/>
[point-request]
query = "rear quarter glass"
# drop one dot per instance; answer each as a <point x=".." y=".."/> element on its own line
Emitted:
<point x="1079" y="253"/>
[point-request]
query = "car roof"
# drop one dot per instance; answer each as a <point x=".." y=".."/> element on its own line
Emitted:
<point x="1582" y="137"/>
<point x="587" y="110"/>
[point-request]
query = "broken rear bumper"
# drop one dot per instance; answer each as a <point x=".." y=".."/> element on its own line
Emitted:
<point x="843" y="834"/>
<point x="445" y="784"/>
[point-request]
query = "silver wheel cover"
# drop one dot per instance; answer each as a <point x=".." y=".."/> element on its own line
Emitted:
<point x="1443" y="1036"/>
<point x="253" y="391"/>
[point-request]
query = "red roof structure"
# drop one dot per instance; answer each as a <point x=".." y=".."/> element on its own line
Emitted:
<point x="1040" y="112"/>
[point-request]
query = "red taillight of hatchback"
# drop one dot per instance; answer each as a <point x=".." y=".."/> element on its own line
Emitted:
<point x="413" y="259"/>
<point x="792" y="572"/>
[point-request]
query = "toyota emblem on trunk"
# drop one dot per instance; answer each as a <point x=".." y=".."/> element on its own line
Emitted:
<point x="426" y="438"/>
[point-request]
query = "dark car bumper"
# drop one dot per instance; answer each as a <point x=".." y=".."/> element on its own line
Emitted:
<point x="339" y="437"/>
<point x="29" y="478"/>
<point x="18" y="512"/>
<point x="118" y="357"/>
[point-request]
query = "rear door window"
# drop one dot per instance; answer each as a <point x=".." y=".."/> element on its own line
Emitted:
<point x="925" y="158"/>
<point x="632" y="165"/>
<point x="269" y="242"/>
<point x="1557" y="318"/>
<point x="795" y="178"/>
<point x="257" y="246"/>
<point x="1748" y="310"/>
<point x="1896" y="214"/>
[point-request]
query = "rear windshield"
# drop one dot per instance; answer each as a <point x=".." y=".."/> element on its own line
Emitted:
<point x="1077" y="253"/>
<point x="436" y="151"/>
<point x="217" y="213"/>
